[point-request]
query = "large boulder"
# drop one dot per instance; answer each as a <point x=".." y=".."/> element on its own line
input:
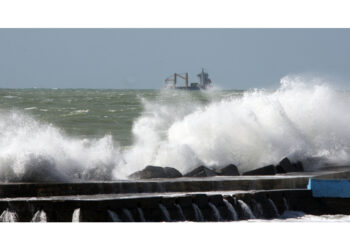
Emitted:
<point x="285" y="166"/>
<point x="299" y="166"/>
<point x="201" y="171"/>
<point x="171" y="172"/>
<point x="267" y="170"/>
<point x="156" y="172"/>
<point x="229" y="170"/>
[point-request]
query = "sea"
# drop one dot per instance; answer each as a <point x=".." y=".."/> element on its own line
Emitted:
<point x="107" y="134"/>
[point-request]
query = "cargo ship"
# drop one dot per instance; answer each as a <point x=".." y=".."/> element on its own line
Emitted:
<point x="204" y="81"/>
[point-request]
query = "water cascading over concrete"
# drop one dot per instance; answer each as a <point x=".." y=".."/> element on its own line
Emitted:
<point x="197" y="213"/>
<point x="231" y="209"/>
<point x="215" y="212"/>
<point x="165" y="213"/>
<point x="247" y="212"/>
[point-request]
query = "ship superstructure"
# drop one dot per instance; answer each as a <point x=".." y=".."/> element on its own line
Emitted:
<point x="204" y="81"/>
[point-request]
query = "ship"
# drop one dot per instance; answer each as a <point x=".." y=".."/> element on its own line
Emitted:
<point x="204" y="81"/>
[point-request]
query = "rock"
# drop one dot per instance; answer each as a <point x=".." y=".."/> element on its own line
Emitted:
<point x="201" y="171"/>
<point x="229" y="170"/>
<point x="156" y="172"/>
<point x="299" y="166"/>
<point x="267" y="170"/>
<point x="148" y="172"/>
<point x="285" y="166"/>
<point x="171" y="173"/>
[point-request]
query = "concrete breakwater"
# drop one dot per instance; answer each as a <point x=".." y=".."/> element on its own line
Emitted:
<point x="218" y="198"/>
<point x="228" y="206"/>
<point x="183" y="185"/>
<point x="215" y="198"/>
<point x="155" y="179"/>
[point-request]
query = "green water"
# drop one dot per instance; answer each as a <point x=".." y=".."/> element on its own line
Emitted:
<point x="109" y="134"/>
<point x="93" y="113"/>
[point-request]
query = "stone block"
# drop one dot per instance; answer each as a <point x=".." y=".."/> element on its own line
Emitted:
<point x="267" y="170"/>
<point x="229" y="170"/>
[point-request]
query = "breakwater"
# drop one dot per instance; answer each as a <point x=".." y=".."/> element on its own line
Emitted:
<point x="162" y="207"/>
<point x="212" y="199"/>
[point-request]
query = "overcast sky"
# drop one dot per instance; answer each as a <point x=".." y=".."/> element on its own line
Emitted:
<point x="143" y="58"/>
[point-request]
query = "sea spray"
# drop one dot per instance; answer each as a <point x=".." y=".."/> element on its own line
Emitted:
<point x="37" y="152"/>
<point x="40" y="216"/>
<point x="180" y="129"/>
<point x="76" y="216"/>
<point x="8" y="216"/>
<point x="258" y="128"/>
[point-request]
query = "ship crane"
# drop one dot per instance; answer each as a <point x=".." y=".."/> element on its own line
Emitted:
<point x="173" y="79"/>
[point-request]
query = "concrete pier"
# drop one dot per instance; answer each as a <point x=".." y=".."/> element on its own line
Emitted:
<point x="95" y="208"/>
<point x="184" y="184"/>
<point x="166" y="199"/>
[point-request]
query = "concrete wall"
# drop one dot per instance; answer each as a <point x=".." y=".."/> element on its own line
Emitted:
<point x="96" y="210"/>
<point x="179" y="185"/>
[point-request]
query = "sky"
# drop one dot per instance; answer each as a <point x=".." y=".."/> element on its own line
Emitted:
<point x="143" y="58"/>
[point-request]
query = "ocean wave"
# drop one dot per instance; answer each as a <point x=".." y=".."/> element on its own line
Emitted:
<point x="299" y="120"/>
<point x="77" y="112"/>
<point x="34" y="152"/>
<point x="258" y="127"/>
<point x="10" y="96"/>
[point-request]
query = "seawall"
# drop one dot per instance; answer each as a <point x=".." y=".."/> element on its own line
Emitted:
<point x="190" y="199"/>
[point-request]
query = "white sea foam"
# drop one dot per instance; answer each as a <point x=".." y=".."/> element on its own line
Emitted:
<point x="297" y="216"/>
<point x="299" y="120"/>
<point x="77" y="112"/>
<point x="33" y="151"/>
